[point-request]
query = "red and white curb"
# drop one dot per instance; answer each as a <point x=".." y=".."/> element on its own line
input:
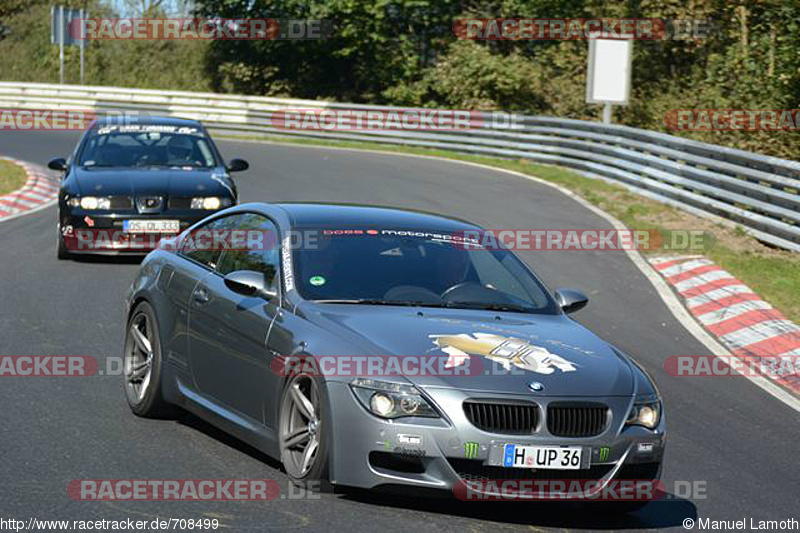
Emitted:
<point x="747" y="325"/>
<point x="39" y="191"/>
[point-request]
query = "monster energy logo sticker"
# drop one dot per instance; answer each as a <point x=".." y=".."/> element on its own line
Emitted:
<point x="603" y="454"/>
<point x="471" y="450"/>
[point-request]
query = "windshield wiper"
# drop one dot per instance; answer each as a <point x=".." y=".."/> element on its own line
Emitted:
<point x="490" y="306"/>
<point x="377" y="301"/>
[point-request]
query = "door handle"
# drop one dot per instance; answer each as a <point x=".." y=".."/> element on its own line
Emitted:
<point x="201" y="295"/>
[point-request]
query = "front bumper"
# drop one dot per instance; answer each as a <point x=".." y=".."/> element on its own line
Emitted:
<point x="92" y="232"/>
<point x="369" y="452"/>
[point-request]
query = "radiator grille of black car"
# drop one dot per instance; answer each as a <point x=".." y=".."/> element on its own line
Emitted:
<point x="509" y="418"/>
<point x="576" y="420"/>
<point x="475" y="470"/>
<point x="178" y="202"/>
<point x="121" y="202"/>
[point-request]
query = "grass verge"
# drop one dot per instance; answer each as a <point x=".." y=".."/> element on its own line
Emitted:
<point x="773" y="274"/>
<point x="12" y="177"/>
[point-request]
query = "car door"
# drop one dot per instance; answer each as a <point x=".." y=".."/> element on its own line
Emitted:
<point x="228" y="331"/>
<point x="178" y="279"/>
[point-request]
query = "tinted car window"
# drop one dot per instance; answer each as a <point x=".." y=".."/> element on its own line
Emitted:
<point x="259" y="255"/>
<point x="146" y="145"/>
<point x="199" y="249"/>
<point x="426" y="269"/>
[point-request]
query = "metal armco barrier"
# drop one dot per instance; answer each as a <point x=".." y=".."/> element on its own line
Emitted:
<point x="760" y="193"/>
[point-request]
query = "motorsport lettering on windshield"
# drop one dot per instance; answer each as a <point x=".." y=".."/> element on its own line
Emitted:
<point x="427" y="235"/>
<point x="148" y="128"/>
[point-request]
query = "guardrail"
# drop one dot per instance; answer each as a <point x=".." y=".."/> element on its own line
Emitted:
<point x="760" y="193"/>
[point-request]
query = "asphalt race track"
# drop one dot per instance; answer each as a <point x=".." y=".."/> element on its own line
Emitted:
<point x="725" y="433"/>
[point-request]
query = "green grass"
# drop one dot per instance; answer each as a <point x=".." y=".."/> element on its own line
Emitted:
<point x="12" y="177"/>
<point x="773" y="274"/>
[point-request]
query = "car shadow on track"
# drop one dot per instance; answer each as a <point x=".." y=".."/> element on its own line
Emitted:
<point x="189" y="420"/>
<point x="667" y="512"/>
<point x="108" y="259"/>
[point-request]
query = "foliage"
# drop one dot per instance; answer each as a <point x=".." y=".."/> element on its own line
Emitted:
<point x="405" y="52"/>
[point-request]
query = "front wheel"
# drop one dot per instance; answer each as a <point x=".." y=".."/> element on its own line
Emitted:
<point x="142" y="365"/>
<point x="303" y="431"/>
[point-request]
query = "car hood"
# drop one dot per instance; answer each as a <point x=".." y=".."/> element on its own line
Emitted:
<point x="506" y="351"/>
<point x="136" y="182"/>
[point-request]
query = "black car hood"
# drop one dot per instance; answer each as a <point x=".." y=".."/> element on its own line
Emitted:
<point x="560" y="354"/>
<point x="148" y="181"/>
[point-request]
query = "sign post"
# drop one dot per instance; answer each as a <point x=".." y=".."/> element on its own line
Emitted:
<point x="61" y="44"/>
<point x="83" y="18"/>
<point x="609" y="78"/>
<point x="61" y="35"/>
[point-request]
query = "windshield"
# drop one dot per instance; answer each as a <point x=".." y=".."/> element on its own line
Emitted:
<point x="147" y="146"/>
<point x="429" y="269"/>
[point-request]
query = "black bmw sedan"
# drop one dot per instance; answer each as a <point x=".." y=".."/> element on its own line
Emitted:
<point x="129" y="184"/>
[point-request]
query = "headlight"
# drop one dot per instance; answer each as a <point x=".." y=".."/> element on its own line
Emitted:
<point x="391" y="400"/>
<point x="89" y="202"/>
<point x="208" y="203"/>
<point x="645" y="413"/>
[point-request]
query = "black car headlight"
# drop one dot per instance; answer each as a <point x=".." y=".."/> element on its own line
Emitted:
<point x="209" y="203"/>
<point x="90" y="203"/>
<point x="646" y="413"/>
<point x="391" y="400"/>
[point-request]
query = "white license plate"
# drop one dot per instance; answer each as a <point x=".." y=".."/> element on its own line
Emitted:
<point x="151" y="226"/>
<point x="544" y="457"/>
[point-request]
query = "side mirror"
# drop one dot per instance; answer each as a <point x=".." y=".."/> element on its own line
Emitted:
<point x="570" y="300"/>
<point x="250" y="283"/>
<point x="237" y="165"/>
<point x="58" y="163"/>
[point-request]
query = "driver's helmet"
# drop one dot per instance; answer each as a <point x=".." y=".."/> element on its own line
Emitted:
<point x="179" y="149"/>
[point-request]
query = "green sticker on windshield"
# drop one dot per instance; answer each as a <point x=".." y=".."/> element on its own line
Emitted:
<point x="317" y="281"/>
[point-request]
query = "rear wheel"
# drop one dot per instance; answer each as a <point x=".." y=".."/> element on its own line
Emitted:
<point x="303" y="431"/>
<point x="142" y="365"/>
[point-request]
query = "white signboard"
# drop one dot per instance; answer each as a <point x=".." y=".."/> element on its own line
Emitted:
<point x="609" y="79"/>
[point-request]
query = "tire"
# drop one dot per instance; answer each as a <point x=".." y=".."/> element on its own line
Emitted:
<point x="297" y="431"/>
<point x="142" y="365"/>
